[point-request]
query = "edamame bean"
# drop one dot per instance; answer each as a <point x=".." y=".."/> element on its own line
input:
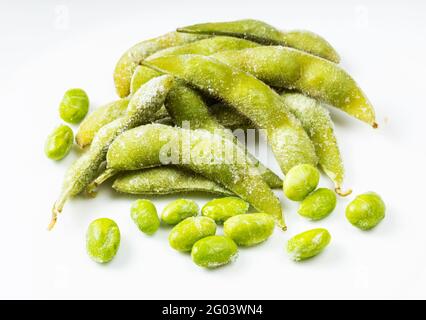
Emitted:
<point x="318" y="205"/>
<point x="59" y="142"/>
<point x="224" y="208"/>
<point x="135" y="55"/>
<point x="366" y="211"/>
<point x="144" y="215"/>
<point x="179" y="210"/>
<point x="195" y="150"/>
<point x="264" y="33"/>
<point x="186" y="233"/>
<point x="142" y="107"/>
<point x="264" y="107"/>
<point x="308" y="244"/>
<point x="214" y="251"/>
<point x="292" y="69"/>
<point x="74" y="106"/>
<point x="249" y="229"/>
<point x="300" y="181"/>
<point x="165" y="180"/>
<point x="102" y="240"/>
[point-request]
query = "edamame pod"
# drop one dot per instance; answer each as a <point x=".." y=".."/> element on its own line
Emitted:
<point x="166" y="180"/>
<point x="261" y="32"/>
<point x="292" y="69"/>
<point x="210" y="155"/>
<point x="250" y="96"/>
<point x="142" y="107"/>
<point x="135" y="55"/>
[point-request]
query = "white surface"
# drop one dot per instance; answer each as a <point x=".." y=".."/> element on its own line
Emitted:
<point x="50" y="46"/>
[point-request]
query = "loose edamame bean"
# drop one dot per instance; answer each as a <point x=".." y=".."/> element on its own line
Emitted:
<point x="194" y="150"/>
<point x="253" y="98"/>
<point x="142" y="107"/>
<point x="264" y="33"/>
<point x="214" y="251"/>
<point x="249" y="229"/>
<point x="308" y="244"/>
<point x="166" y="180"/>
<point x="179" y="210"/>
<point x="293" y="69"/>
<point x="224" y="208"/>
<point x="59" y="142"/>
<point x="144" y="215"/>
<point x="186" y="233"/>
<point x="318" y="205"/>
<point x="135" y="55"/>
<point x="366" y="211"/>
<point x="74" y="106"/>
<point x="102" y="240"/>
<point x="300" y="181"/>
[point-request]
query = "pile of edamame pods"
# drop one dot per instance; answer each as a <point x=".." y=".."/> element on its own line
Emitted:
<point x="180" y="95"/>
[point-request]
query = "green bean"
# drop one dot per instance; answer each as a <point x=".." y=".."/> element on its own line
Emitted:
<point x="142" y="107"/>
<point x="214" y="251"/>
<point x="144" y="215"/>
<point x="135" y="55"/>
<point x="308" y="244"/>
<point x="292" y="69"/>
<point x="102" y="240"/>
<point x="59" y="142"/>
<point x="205" y="47"/>
<point x="210" y="155"/>
<point x="366" y="211"/>
<point x="250" y="96"/>
<point x="222" y="209"/>
<point x="178" y="210"/>
<point x="264" y="33"/>
<point x="74" y="106"/>
<point x="165" y="180"/>
<point x="300" y="181"/>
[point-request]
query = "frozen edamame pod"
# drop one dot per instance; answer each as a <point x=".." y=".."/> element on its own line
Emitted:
<point x="292" y="69"/>
<point x="210" y="155"/>
<point x="166" y="180"/>
<point x="206" y="47"/>
<point x="264" y="33"/>
<point x="317" y="123"/>
<point x="135" y="55"/>
<point x="250" y="96"/>
<point x="142" y="107"/>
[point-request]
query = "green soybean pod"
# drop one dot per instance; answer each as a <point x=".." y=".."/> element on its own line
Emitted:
<point x="179" y="210"/>
<point x="300" y="181"/>
<point x="224" y="208"/>
<point x="186" y="233"/>
<point x="128" y="62"/>
<point x="366" y="211"/>
<point x="308" y="244"/>
<point x="214" y="251"/>
<point x="74" y="106"/>
<point x="59" y="142"/>
<point x="249" y="229"/>
<point x="318" y="205"/>
<point x="264" y="33"/>
<point x="102" y="240"/>
<point x="144" y="215"/>
<point x="292" y="69"/>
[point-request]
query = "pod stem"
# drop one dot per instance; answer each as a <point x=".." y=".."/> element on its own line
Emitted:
<point x="341" y="193"/>
<point x="57" y="209"/>
<point x="375" y="125"/>
<point x="91" y="188"/>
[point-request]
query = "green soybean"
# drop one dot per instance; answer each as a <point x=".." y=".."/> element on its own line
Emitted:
<point x="224" y="208"/>
<point x="214" y="251"/>
<point x="300" y="181"/>
<point x="308" y="244"/>
<point x="74" y="106"/>
<point x="102" y="240"/>
<point x="144" y="215"/>
<point x="166" y="180"/>
<point x="318" y="205"/>
<point x="185" y="234"/>
<point x="366" y="211"/>
<point x="249" y="229"/>
<point x="59" y="142"/>
<point x="179" y="210"/>
<point x="264" y="33"/>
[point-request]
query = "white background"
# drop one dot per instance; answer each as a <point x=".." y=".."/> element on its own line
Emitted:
<point x="50" y="46"/>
